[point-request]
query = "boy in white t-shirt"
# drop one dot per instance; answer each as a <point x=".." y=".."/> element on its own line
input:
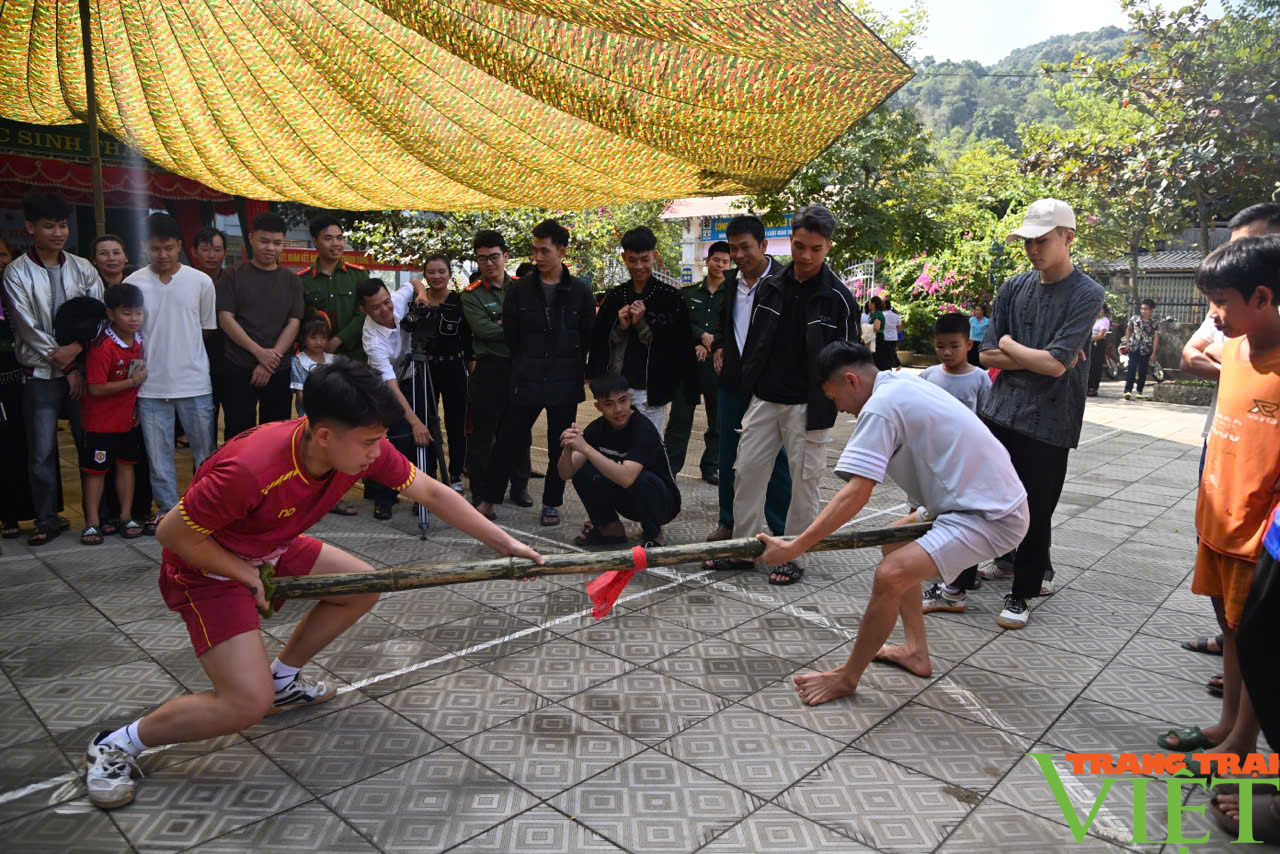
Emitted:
<point x="969" y="385"/>
<point x="953" y="470"/>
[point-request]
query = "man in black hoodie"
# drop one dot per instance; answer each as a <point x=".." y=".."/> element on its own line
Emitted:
<point x="642" y="333"/>
<point x="546" y="318"/>
<point x="797" y="312"/>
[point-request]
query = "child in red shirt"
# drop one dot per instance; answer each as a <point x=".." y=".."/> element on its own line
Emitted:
<point x="114" y="368"/>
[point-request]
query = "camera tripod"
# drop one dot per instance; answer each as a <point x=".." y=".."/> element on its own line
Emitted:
<point x="428" y="457"/>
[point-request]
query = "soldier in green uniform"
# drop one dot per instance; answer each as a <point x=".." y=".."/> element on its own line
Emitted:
<point x="704" y="301"/>
<point x="329" y="286"/>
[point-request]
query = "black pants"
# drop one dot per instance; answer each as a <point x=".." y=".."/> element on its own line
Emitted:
<point x="1137" y="368"/>
<point x="490" y="397"/>
<point x="681" y="423"/>
<point x="245" y="406"/>
<point x="648" y="500"/>
<point x="140" y="512"/>
<point x="1255" y="640"/>
<point x="449" y="381"/>
<point x="515" y="433"/>
<point x="1097" y="360"/>
<point x="400" y="435"/>
<point x="1042" y="468"/>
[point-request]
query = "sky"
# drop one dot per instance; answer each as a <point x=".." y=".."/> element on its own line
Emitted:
<point x="987" y="30"/>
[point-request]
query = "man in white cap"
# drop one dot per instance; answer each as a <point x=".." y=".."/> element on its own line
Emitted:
<point x="1041" y="323"/>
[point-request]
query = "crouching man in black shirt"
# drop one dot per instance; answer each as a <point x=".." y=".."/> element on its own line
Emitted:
<point x="619" y="467"/>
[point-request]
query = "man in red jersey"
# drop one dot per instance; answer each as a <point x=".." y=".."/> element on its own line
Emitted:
<point x="249" y="504"/>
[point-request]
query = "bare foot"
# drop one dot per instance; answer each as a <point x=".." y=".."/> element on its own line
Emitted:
<point x="916" y="663"/>
<point x="816" y="688"/>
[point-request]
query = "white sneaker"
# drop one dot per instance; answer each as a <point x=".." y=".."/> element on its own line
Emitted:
<point x="302" y="691"/>
<point x="109" y="774"/>
<point x="938" y="599"/>
<point x="1015" y="613"/>
<point x="995" y="571"/>
<point x="1047" y="588"/>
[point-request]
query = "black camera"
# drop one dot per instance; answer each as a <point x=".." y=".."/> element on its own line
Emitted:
<point x="430" y="327"/>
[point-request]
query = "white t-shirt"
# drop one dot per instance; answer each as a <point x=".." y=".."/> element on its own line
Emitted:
<point x="387" y="348"/>
<point x="174" y="316"/>
<point x="970" y="387"/>
<point x="933" y="447"/>
<point x="892" y="322"/>
<point x="1210" y="334"/>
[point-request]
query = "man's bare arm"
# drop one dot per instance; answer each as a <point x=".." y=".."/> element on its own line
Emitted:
<point x="1031" y="359"/>
<point x="998" y="359"/>
<point x="1197" y="362"/>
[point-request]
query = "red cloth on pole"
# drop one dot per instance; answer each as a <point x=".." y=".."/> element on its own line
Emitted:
<point x="605" y="590"/>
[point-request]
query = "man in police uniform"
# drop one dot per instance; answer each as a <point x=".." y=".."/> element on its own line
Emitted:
<point x="329" y="286"/>
<point x="489" y="389"/>
<point x="704" y="301"/>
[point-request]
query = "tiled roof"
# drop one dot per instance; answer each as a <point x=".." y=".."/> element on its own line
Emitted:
<point x="1167" y="261"/>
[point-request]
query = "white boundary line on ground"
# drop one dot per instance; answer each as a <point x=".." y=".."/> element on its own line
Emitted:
<point x="1099" y="438"/>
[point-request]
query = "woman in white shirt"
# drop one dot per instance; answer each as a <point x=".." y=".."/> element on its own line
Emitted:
<point x="1098" y="349"/>
<point x="892" y="333"/>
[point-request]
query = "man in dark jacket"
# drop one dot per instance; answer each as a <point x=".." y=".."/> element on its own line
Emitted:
<point x="747" y="245"/>
<point x="797" y="312"/>
<point x="546" y="318"/>
<point x="642" y="333"/>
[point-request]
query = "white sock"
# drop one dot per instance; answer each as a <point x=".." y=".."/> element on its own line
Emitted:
<point x="126" y="738"/>
<point x="954" y="591"/>
<point x="282" y="674"/>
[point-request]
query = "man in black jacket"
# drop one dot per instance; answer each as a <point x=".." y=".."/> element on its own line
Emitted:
<point x="546" y="318"/>
<point x="747" y="245"/>
<point x="642" y="333"/>
<point x="797" y="312"/>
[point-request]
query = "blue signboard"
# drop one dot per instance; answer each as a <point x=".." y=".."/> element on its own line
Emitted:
<point x="713" y="229"/>
<point x="686" y="275"/>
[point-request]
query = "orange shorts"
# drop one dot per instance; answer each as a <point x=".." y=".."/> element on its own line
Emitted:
<point x="218" y="609"/>
<point x="1224" y="577"/>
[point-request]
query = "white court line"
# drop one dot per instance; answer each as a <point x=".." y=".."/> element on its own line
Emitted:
<point x="1106" y="435"/>
<point x="72" y="776"/>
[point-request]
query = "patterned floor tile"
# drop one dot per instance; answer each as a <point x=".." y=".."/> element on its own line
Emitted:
<point x="336" y="750"/>
<point x="1021" y="708"/>
<point x="1180" y="625"/>
<point x="461" y="704"/>
<point x="429" y="804"/>
<point x="753" y="587"/>
<point x="55" y="658"/>
<point x="541" y="830"/>
<point x="56" y="830"/>
<point x="559" y="668"/>
<point x="785" y="636"/>
<point x="17" y="722"/>
<point x="1096" y="727"/>
<point x="959" y="751"/>
<point x="370" y="630"/>
<point x="703" y="611"/>
<point x="502" y="593"/>
<point x="753" y="750"/>
<point x="723" y="668"/>
<point x="36" y="595"/>
<point x="383" y="661"/>
<point x="879" y="804"/>
<point x="311" y="828"/>
<point x="550" y="750"/>
<point x="159" y="635"/>
<point x="1077" y="631"/>
<point x="1154" y="694"/>
<point x="646" y="705"/>
<point x="637" y="638"/>
<point x="998" y="827"/>
<point x="1013" y="655"/>
<point x="1159" y="655"/>
<point x="415" y="610"/>
<point x="777" y="831"/>
<point x="654" y="803"/>
<point x="186" y="804"/>
<point x="85" y="698"/>
<point x="843" y="720"/>
<point x="487" y="637"/>
<point x="31" y="762"/>
<point x="881" y="676"/>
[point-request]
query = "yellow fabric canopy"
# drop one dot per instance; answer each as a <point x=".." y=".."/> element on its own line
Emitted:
<point x="456" y="104"/>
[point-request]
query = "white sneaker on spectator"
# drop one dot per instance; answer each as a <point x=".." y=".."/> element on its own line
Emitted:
<point x="1047" y="588"/>
<point x="995" y="572"/>
<point x="1015" y="613"/>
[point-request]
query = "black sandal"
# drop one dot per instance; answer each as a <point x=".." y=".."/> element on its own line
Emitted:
<point x="550" y="517"/>
<point x="726" y="564"/>
<point x="790" y="572"/>
<point x="593" y="537"/>
<point x="91" y="536"/>
<point x="9" y="532"/>
<point x="42" y="535"/>
<point x="1202" y="645"/>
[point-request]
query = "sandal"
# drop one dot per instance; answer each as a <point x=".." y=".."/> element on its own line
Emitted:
<point x="1215" y="685"/>
<point x="1204" y="645"/>
<point x="8" y="532"/>
<point x="63" y="523"/>
<point x="550" y="517"/>
<point x="1189" y="740"/>
<point x="382" y="512"/>
<point x="43" y="535"/>
<point x="726" y="564"/>
<point x="130" y="530"/>
<point x="150" y="528"/>
<point x="592" y="537"/>
<point x="91" y="536"/>
<point x="109" y="528"/>
<point x="342" y="508"/>
<point x="1266" y="818"/>
<point x="790" y="572"/>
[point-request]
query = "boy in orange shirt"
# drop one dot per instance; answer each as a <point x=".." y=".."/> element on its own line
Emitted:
<point x="1242" y="465"/>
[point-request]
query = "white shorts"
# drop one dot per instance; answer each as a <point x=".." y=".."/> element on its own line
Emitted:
<point x="958" y="541"/>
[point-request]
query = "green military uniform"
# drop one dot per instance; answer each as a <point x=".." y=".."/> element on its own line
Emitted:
<point x="336" y="296"/>
<point x="490" y="391"/>
<point x="704" y="310"/>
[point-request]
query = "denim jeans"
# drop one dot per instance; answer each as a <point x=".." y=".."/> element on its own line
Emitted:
<point x="43" y="403"/>
<point x="156" y="416"/>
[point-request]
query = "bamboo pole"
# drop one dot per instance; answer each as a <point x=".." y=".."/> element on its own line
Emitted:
<point x="418" y="575"/>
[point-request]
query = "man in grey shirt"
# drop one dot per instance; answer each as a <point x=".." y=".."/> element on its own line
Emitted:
<point x="1040" y="326"/>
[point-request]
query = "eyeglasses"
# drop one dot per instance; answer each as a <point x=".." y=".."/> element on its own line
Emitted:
<point x="492" y="258"/>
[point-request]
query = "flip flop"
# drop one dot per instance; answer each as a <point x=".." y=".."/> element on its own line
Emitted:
<point x="1215" y="685"/>
<point x="1266" y="818"/>
<point x="593" y="537"/>
<point x="342" y="508"/>
<point x="1202" y="645"/>
<point x="728" y="564"/>
<point x="1188" y="740"/>
<point x="131" y="530"/>
<point x="91" y="536"/>
<point x="791" y="574"/>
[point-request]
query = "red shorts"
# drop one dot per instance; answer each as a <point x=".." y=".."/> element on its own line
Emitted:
<point x="216" y="609"/>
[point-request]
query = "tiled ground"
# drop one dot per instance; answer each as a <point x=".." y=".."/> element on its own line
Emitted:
<point x="501" y="717"/>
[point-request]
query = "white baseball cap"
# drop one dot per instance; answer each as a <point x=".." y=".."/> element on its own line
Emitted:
<point x="1042" y="217"/>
